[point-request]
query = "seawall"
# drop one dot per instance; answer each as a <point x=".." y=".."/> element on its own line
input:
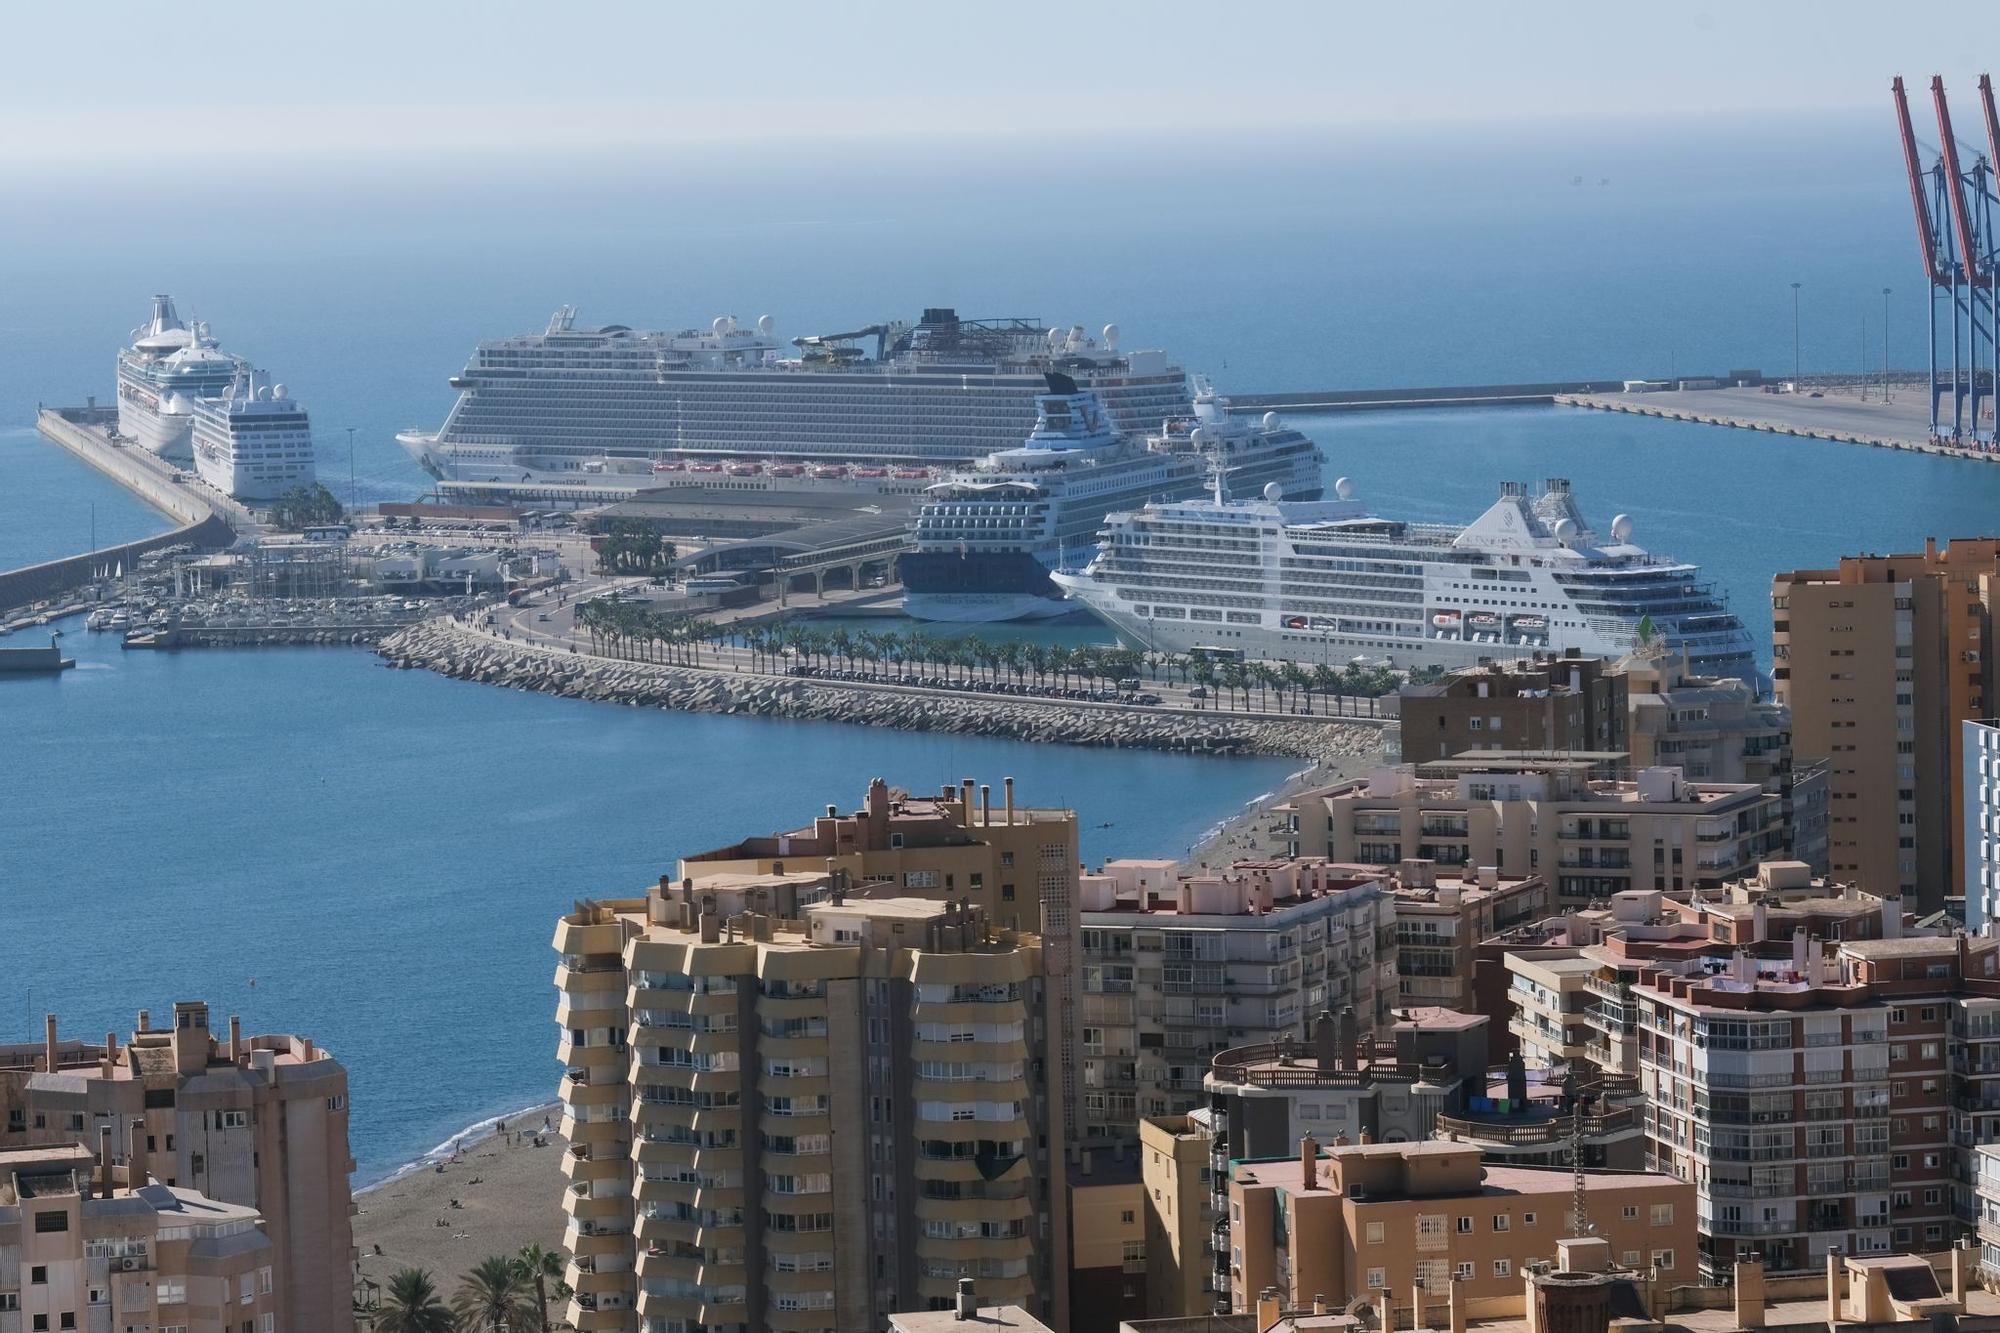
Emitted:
<point x="456" y="651"/>
<point x="78" y="431"/>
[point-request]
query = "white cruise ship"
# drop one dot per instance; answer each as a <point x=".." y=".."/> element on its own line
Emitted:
<point x="988" y="536"/>
<point x="1326" y="581"/>
<point x="878" y="408"/>
<point x="254" y="442"/>
<point x="166" y="370"/>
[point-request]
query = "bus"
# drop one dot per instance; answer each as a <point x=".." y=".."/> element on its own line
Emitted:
<point x="1211" y="653"/>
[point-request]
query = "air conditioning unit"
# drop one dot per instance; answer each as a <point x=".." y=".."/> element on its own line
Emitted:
<point x="128" y="1265"/>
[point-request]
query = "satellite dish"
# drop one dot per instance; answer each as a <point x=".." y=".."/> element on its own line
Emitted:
<point x="1274" y="492"/>
<point x="765" y="324"/>
<point x="1344" y="488"/>
<point x="1270" y="421"/>
<point x="1566" y="530"/>
<point x="1621" y="528"/>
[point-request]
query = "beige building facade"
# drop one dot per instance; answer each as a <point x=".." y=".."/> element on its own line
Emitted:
<point x="712" y="1046"/>
<point x="257" y="1121"/>
<point x="1881" y="660"/>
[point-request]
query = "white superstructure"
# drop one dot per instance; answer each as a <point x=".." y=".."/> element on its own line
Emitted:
<point x="1329" y="582"/>
<point x="988" y="535"/>
<point x="885" y="407"/>
<point x="254" y="442"/>
<point x="168" y="367"/>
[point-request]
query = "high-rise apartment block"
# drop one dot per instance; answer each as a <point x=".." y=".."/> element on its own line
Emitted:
<point x="800" y="1108"/>
<point x="1979" y="824"/>
<point x="1178" y="967"/>
<point x="1545" y="702"/>
<point x="86" y="1244"/>
<point x="1555" y="816"/>
<point x="259" y="1122"/>
<point x="1880" y="661"/>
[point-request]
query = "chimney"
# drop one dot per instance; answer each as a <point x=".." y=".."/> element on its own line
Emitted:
<point x="135" y="1155"/>
<point x="235" y="1040"/>
<point x="1350" y="1039"/>
<point x="1385" y="1318"/>
<point x="1517" y="1082"/>
<point x="104" y="1183"/>
<point x="965" y="801"/>
<point x="1007" y="786"/>
<point x="49" y="1044"/>
<point x="145" y="1021"/>
<point x="1760" y="922"/>
<point x="1309" y="1161"/>
<point x="109" y="1065"/>
<point x="1417" y="1312"/>
<point x="1319" y="1302"/>
<point x="1833" y="1301"/>
<point x="1749" y="1286"/>
<point x="1456" y="1306"/>
<point x="1892" y="918"/>
<point x="967" y="1306"/>
<point x="1326" y="1043"/>
<point x="985" y="803"/>
<point x="1799" y="950"/>
<point x="1269" y="1307"/>
<point x="711" y="924"/>
<point x="1366" y="1138"/>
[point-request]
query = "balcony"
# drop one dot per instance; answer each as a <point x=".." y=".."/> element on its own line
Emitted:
<point x="1722" y="1226"/>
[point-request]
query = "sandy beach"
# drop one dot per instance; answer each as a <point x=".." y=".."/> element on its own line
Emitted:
<point x="1245" y="835"/>
<point x="509" y="1194"/>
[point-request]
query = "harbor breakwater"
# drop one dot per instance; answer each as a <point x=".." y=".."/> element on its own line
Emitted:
<point x="461" y="653"/>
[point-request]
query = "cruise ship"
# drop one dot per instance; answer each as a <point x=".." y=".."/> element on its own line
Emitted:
<point x="615" y="408"/>
<point x="254" y="442"/>
<point x="1327" y="581"/>
<point x="988" y="536"/>
<point x="168" y="367"/>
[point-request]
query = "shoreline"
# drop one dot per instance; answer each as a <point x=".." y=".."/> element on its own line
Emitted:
<point x="472" y="1136"/>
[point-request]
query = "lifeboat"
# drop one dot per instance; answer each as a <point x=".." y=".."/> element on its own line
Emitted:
<point x="871" y="472"/>
<point x="704" y="467"/>
<point x="744" y="469"/>
<point x="1482" y="620"/>
<point x="670" y="467"/>
<point x="1530" y="624"/>
<point x="826" y="470"/>
<point x="787" y="470"/>
<point x="1446" y="620"/>
<point x="911" y="473"/>
<point x="1295" y="622"/>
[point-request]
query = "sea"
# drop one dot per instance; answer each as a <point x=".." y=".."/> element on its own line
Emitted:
<point x="376" y="858"/>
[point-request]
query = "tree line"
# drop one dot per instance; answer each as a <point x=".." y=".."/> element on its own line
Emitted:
<point x="502" y="1294"/>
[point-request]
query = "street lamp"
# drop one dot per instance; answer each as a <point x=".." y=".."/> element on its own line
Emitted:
<point x="1795" y="337"/>
<point x="1885" y="344"/>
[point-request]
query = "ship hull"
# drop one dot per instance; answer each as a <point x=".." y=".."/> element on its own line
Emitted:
<point x="984" y="608"/>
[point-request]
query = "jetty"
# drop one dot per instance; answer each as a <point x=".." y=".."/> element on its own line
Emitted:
<point x="34" y="661"/>
<point x="1836" y="414"/>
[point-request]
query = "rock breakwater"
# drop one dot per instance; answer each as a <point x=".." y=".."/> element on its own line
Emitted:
<point x="462" y="654"/>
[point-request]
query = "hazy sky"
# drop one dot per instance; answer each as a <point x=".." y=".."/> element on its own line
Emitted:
<point x="97" y="81"/>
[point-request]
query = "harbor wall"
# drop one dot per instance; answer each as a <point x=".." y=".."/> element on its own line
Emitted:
<point x="1459" y="395"/>
<point x="79" y="431"/>
<point x="462" y="653"/>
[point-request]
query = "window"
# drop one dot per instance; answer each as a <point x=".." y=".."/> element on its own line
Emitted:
<point x="1630" y="1213"/>
<point x="1501" y="1221"/>
<point x="1465" y="1226"/>
<point x="68" y="1319"/>
<point x="1663" y="1214"/>
<point x="1127" y="1217"/>
<point x="1376" y="1279"/>
<point x="1527" y="1219"/>
<point x="231" y="1119"/>
<point x="171" y="1291"/>
<point x="41" y="1323"/>
<point x="47" y="1222"/>
<point x="1375" y="1237"/>
<point x="1464" y="1271"/>
<point x="1663" y="1258"/>
<point x="1503" y="1268"/>
<point x="38" y="1275"/>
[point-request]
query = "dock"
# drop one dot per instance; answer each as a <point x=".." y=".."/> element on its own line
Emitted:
<point x="34" y="661"/>
<point x="1835" y="414"/>
<point x="203" y="518"/>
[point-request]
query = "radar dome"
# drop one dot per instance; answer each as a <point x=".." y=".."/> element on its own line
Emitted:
<point x="1344" y="488"/>
<point x="1270" y="421"/>
<point x="1111" y="335"/>
<point x="1566" y="530"/>
<point x="1055" y="337"/>
<point x="1621" y="528"/>
<point x="720" y="326"/>
<point x="765" y="324"/>
<point x="277" y="391"/>
<point x="1274" y="492"/>
<point x="1197" y="435"/>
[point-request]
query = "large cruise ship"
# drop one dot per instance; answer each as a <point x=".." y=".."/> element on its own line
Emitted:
<point x="1326" y="581"/>
<point x="168" y="367"/>
<point x="254" y="442"/>
<point x="615" y="408"/>
<point x="988" y="536"/>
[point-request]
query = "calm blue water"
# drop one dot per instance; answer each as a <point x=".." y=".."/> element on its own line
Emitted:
<point x="48" y="498"/>
<point x="384" y="853"/>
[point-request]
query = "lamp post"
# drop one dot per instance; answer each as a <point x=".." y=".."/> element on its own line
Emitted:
<point x="1795" y="337"/>
<point x="1885" y="344"/>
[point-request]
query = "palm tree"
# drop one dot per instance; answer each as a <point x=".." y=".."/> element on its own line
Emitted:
<point x="411" y="1305"/>
<point x="539" y="1265"/>
<point x="495" y="1298"/>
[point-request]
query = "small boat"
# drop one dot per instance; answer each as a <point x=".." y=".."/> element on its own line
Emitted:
<point x="1531" y="624"/>
<point x="871" y="472"/>
<point x="788" y="470"/>
<point x="910" y="473"/>
<point x="1446" y="620"/>
<point x="1482" y="620"/>
<point x="704" y="467"/>
<point x="744" y="469"/>
<point x="827" y="470"/>
<point x="1295" y="622"/>
<point x="670" y="467"/>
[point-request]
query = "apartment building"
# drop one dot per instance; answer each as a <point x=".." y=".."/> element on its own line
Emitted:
<point x="1107" y="1261"/>
<point x="1979" y="824"/>
<point x="89" y="1244"/>
<point x="1433" y="1222"/>
<point x="1177" y="968"/>
<point x="1556" y="816"/>
<point x="259" y="1122"/>
<point x="1442" y="916"/>
<point x="1549" y="1005"/>
<point x="1177" y="1213"/>
<point x="711" y="1044"/>
<point x="1542" y="703"/>
<point x="1880" y="661"/>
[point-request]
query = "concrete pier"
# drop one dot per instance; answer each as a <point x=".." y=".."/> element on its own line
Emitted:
<point x="1902" y="423"/>
<point x="205" y="518"/>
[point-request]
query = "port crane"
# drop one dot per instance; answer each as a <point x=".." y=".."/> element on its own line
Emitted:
<point x="1956" y="212"/>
